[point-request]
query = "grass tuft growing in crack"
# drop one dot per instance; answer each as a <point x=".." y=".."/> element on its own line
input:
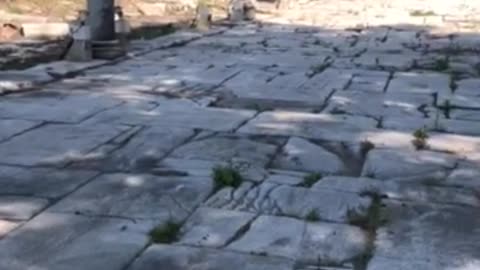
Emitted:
<point x="370" y="222"/>
<point x="420" y="137"/>
<point x="441" y="64"/>
<point x="312" y="216"/>
<point x="166" y="233"/>
<point x="226" y="176"/>
<point x="310" y="179"/>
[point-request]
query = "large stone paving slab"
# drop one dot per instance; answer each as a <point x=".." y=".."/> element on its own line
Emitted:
<point x="214" y="227"/>
<point x="427" y="237"/>
<point x="139" y="150"/>
<point x="46" y="183"/>
<point x="270" y="198"/>
<point x="315" y="126"/>
<point x="57" y="107"/>
<point x="389" y="163"/>
<point x="20" y="208"/>
<point x="188" y="258"/>
<point x="160" y="199"/>
<point x="177" y="113"/>
<point x="65" y="241"/>
<point x="302" y="155"/>
<point x="56" y="144"/>
<point x="9" y="128"/>
<point x="312" y="243"/>
<point x="227" y="148"/>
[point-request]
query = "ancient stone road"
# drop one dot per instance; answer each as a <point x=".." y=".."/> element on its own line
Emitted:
<point x="318" y="121"/>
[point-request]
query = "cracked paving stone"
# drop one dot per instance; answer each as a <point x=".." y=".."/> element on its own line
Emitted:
<point x="425" y="236"/>
<point x="369" y="81"/>
<point x="177" y="113"/>
<point x="41" y="182"/>
<point x="20" y="208"/>
<point x="421" y="83"/>
<point x="138" y="197"/>
<point x="389" y="163"/>
<point x="282" y="177"/>
<point x="313" y="126"/>
<point x="272" y="199"/>
<point x="226" y="149"/>
<point x="204" y="168"/>
<point x="64" y="241"/>
<point x="9" y="128"/>
<point x="332" y="244"/>
<point x="142" y="151"/>
<point x="301" y="155"/>
<point x="213" y="227"/>
<point x="57" y="107"/>
<point x="188" y="258"/>
<point x="272" y="236"/>
<point x="424" y="188"/>
<point x="56" y="144"/>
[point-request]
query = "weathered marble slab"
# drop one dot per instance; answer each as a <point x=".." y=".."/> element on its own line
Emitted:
<point x="9" y="127"/>
<point x="315" y="126"/>
<point x="138" y="197"/>
<point x="56" y="144"/>
<point x="187" y="258"/>
<point x="65" y="241"/>
<point x="20" y="208"/>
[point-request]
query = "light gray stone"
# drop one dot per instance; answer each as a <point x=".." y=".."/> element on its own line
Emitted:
<point x="369" y="81"/>
<point x="226" y="149"/>
<point x="332" y="244"/>
<point x="138" y="197"/>
<point x="204" y="168"/>
<point x="427" y="237"/>
<point x="56" y="144"/>
<point x="213" y="227"/>
<point x="302" y="155"/>
<point x="187" y="258"/>
<point x="282" y="177"/>
<point x="178" y="113"/>
<point x="314" y="126"/>
<point x="20" y="208"/>
<point x="11" y="81"/>
<point x="273" y="199"/>
<point x="387" y="163"/>
<point x="274" y="236"/>
<point x="420" y="83"/>
<point x="56" y="108"/>
<point x="41" y="182"/>
<point x="61" y="241"/>
<point x="9" y="128"/>
<point x="65" y="68"/>
<point x="142" y="149"/>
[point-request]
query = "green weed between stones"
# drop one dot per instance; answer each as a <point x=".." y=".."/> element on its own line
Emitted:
<point x="226" y="176"/>
<point x="420" y="137"/>
<point x="165" y="233"/>
<point x="311" y="179"/>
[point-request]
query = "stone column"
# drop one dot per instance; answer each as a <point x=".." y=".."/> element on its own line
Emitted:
<point x="101" y="19"/>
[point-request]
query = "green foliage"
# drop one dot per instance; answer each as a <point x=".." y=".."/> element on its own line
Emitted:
<point x="226" y="176"/>
<point x="165" y="233"/>
<point x="311" y="179"/>
<point x="420" y="139"/>
<point x="421" y="13"/>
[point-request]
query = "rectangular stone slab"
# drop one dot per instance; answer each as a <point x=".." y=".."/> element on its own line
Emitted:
<point x="187" y="258"/>
<point x="72" y="242"/>
<point x="10" y="127"/>
<point x="56" y="144"/>
<point x="138" y="197"/>
<point x="315" y="126"/>
<point x="38" y="182"/>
